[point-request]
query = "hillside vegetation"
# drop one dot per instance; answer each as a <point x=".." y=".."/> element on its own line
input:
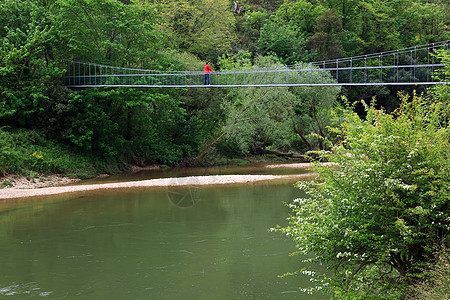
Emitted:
<point x="108" y="129"/>
<point x="380" y="221"/>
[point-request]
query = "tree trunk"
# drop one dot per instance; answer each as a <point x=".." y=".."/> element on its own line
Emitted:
<point x="203" y="153"/>
<point x="310" y="148"/>
<point x="281" y="154"/>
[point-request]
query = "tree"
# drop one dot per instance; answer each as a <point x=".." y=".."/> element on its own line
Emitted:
<point x="287" y="30"/>
<point x="256" y="117"/>
<point x="28" y="72"/>
<point x="300" y="15"/>
<point x="110" y="32"/>
<point x="282" y="42"/>
<point x="327" y="37"/>
<point x="129" y="123"/>
<point x="312" y="110"/>
<point x="378" y="217"/>
<point x="431" y="22"/>
<point x="346" y="8"/>
<point x="262" y="120"/>
<point x="203" y="27"/>
<point x="440" y="93"/>
<point x="374" y="28"/>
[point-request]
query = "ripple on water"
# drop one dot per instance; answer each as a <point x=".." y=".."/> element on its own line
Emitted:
<point x="31" y="288"/>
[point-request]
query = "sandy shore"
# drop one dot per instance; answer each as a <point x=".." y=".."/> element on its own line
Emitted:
<point x="12" y="193"/>
<point x="53" y="185"/>
<point x="300" y="166"/>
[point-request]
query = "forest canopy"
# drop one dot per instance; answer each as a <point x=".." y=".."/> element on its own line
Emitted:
<point x="142" y="126"/>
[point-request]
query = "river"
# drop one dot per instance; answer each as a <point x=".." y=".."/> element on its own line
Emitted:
<point x="196" y="242"/>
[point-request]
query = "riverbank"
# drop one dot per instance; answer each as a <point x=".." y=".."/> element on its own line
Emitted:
<point x="12" y="193"/>
<point x="22" y="187"/>
<point x="15" y="182"/>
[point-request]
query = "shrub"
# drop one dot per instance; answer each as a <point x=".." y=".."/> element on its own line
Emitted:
<point x="24" y="151"/>
<point x="377" y="218"/>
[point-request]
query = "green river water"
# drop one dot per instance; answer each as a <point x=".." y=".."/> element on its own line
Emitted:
<point x="158" y="243"/>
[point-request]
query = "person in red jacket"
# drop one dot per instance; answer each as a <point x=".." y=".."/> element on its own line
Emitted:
<point x="207" y="70"/>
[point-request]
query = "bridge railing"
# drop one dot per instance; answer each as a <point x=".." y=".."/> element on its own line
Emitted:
<point x="409" y="65"/>
<point x="416" y="65"/>
<point x="87" y="74"/>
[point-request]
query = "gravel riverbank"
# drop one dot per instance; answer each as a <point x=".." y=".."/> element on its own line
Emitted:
<point x="22" y="187"/>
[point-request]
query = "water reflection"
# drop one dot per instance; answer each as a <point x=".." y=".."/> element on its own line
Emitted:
<point x="166" y="243"/>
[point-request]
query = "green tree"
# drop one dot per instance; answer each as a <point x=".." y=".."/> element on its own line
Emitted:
<point x="258" y="5"/>
<point x="253" y="118"/>
<point x="312" y="109"/>
<point x="300" y="15"/>
<point x="124" y="124"/>
<point x="129" y="123"/>
<point x="204" y="27"/>
<point x="287" y="30"/>
<point x="251" y="15"/>
<point x="27" y="69"/>
<point x="283" y="42"/>
<point x="327" y="37"/>
<point x="374" y="28"/>
<point x="110" y="32"/>
<point x="262" y="120"/>
<point x="377" y="218"/>
<point x="346" y="8"/>
<point x="248" y="28"/>
<point x="431" y="22"/>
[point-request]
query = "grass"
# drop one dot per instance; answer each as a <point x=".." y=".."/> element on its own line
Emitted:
<point x="28" y="152"/>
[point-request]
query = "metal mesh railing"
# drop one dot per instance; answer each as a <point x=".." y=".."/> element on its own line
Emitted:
<point x="415" y="65"/>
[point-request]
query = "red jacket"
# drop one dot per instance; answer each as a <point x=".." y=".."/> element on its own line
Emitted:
<point x="208" y="69"/>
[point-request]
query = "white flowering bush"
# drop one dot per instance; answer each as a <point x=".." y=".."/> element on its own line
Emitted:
<point x="376" y="219"/>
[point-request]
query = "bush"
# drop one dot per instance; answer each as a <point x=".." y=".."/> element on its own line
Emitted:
<point x="377" y="218"/>
<point x="24" y="151"/>
<point x="8" y="156"/>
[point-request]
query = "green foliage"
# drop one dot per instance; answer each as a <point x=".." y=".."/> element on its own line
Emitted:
<point x="300" y="15"/>
<point x="9" y="156"/>
<point x="111" y="124"/>
<point x="312" y="111"/>
<point x="374" y="26"/>
<point x="125" y="123"/>
<point x="283" y="42"/>
<point x="239" y="61"/>
<point x="189" y="61"/>
<point x="287" y="30"/>
<point x="437" y="283"/>
<point x="431" y="21"/>
<point x="108" y="31"/>
<point x="24" y="151"/>
<point x="274" y="118"/>
<point x="377" y="217"/>
<point x="26" y="69"/>
<point x="204" y="27"/>
<point x="327" y="37"/>
<point x="6" y="183"/>
<point x="440" y="93"/>
<point x="367" y="26"/>
<point x="255" y="117"/>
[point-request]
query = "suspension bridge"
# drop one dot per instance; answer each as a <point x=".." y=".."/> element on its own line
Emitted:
<point x="408" y="66"/>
